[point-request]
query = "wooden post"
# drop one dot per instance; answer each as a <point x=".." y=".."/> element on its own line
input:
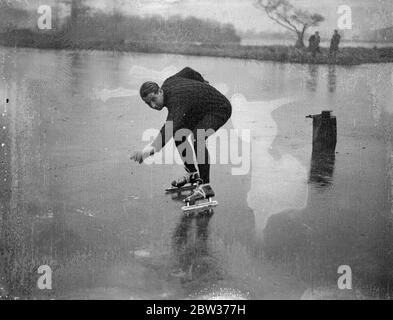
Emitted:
<point x="324" y="140"/>
<point x="324" y="137"/>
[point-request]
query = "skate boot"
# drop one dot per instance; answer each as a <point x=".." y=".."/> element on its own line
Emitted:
<point x="196" y="200"/>
<point x="187" y="182"/>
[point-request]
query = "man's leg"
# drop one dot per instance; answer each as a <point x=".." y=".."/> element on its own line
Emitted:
<point x="204" y="166"/>
<point x="209" y="124"/>
<point x="187" y="157"/>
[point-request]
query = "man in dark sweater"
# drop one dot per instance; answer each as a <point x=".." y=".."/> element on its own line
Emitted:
<point x="192" y="104"/>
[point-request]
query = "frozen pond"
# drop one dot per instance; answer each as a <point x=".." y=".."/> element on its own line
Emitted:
<point x="285" y="223"/>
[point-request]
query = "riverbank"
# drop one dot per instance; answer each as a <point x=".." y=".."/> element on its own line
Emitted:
<point x="346" y="55"/>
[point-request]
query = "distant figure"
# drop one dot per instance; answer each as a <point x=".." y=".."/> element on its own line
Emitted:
<point x="334" y="42"/>
<point x="311" y="43"/>
<point x="314" y="42"/>
<point x="317" y="42"/>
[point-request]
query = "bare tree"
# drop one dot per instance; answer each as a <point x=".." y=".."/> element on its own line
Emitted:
<point x="289" y="17"/>
<point x="77" y="7"/>
<point x="11" y="15"/>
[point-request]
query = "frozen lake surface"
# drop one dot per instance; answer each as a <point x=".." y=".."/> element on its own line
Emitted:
<point x="285" y="223"/>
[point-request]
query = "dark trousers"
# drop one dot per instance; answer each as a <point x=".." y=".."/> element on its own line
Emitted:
<point x="210" y="122"/>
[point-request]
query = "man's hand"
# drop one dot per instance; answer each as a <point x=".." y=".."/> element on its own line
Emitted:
<point x="139" y="156"/>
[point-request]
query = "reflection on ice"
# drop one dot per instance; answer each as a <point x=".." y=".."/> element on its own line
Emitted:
<point x="193" y="259"/>
<point x="322" y="169"/>
<point x="222" y="87"/>
<point x="223" y="294"/>
<point x="106" y="94"/>
<point x="151" y="74"/>
<point x="276" y="184"/>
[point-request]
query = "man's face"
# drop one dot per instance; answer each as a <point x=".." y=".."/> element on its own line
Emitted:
<point x="155" y="100"/>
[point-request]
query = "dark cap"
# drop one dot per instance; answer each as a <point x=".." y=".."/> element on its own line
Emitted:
<point x="148" y="87"/>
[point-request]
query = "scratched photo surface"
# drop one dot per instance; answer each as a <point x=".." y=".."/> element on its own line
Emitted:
<point x="295" y="198"/>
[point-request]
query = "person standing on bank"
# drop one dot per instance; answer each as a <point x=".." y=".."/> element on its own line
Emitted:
<point x="334" y="43"/>
<point x="192" y="104"/>
<point x="314" y="42"/>
<point x="311" y="43"/>
<point x="317" y="42"/>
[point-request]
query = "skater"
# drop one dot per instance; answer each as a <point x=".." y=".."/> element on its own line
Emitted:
<point x="192" y="104"/>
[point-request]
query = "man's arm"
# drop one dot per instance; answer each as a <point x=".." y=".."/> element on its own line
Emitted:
<point x="156" y="145"/>
<point x="189" y="73"/>
<point x="174" y="122"/>
<point x="161" y="140"/>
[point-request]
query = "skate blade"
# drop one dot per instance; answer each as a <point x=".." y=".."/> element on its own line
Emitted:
<point x="184" y="188"/>
<point x="199" y="206"/>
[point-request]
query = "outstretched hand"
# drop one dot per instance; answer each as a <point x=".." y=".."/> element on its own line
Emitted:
<point x="139" y="156"/>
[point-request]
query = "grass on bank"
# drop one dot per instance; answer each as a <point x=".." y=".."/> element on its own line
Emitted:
<point x="345" y="56"/>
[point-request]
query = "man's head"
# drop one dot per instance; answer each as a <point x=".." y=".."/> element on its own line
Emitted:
<point x="152" y="94"/>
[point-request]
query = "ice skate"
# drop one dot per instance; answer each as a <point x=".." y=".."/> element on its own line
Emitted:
<point x="188" y="182"/>
<point x="197" y="200"/>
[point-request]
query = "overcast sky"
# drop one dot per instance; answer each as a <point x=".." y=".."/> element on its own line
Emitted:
<point x="244" y="15"/>
<point x="370" y="14"/>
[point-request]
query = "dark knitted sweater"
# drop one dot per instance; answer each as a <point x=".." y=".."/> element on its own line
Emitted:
<point x="188" y="99"/>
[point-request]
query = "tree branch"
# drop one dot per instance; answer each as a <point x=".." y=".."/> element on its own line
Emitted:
<point x="291" y="24"/>
<point x="279" y="22"/>
<point x="283" y="13"/>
